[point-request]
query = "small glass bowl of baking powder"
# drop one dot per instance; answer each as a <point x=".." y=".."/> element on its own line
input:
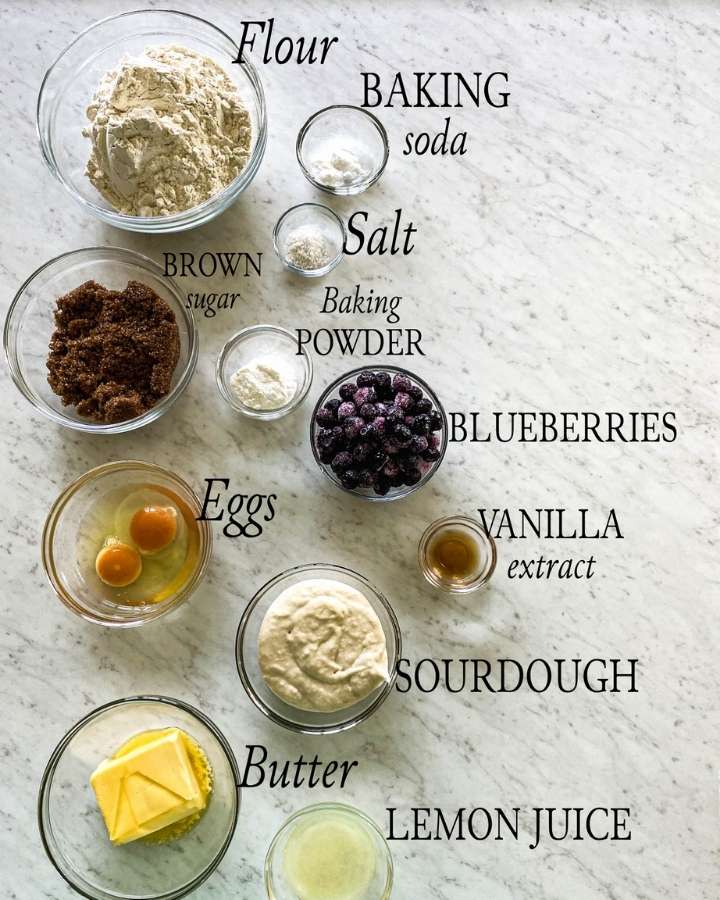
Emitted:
<point x="309" y="239"/>
<point x="262" y="374"/>
<point x="343" y="149"/>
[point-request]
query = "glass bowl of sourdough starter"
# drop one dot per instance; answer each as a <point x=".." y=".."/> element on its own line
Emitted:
<point x="74" y="532"/>
<point x="355" y="135"/>
<point x="71" y="82"/>
<point x="30" y="324"/>
<point x="72" y="828"/>
<point x="294" y="718"/>
<point x="298" y="856"/>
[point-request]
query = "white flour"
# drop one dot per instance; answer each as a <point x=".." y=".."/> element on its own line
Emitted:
<point x="169" y="130"/>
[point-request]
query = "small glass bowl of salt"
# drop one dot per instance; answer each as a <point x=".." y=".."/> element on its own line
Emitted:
<point x="261" y="374"/>
<point x="343" y="149"/>
<point x="309" y="239"/>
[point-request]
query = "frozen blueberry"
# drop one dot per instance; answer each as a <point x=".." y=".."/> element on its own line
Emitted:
<point x="391" y="468"/>
<point x="376" y="460"/>
<point x="401" y="383"/>
<point x="433" y="441"/>
<point x="378" y="424"/>
<point x="333" y="404"/>
<point x="352" y="427"/>
<point x="397" y="480"/>
<point x="367" y="411"/>
<point x="381" y="484"/>
<point x="403" y="401"/>
<point x="390" y="446"/>
<point x="326" y="455"/>
<point x="350" y="478"/>
<point x="346" y="409"/>
<point x="402" y="435"/>
<point x="419" y="444"/>
<point x="423" y="406"/>
<point x="383" y="385"/>
<point x="421" y="424"/>
<point x="325" y="416"/>
<point x="431" y="454"/>
<point x="409" y="462"/>
<point x="435" y="421"/>
<point x="394" y="418"/>
<point x="366" y="379"/>
<point x="415" y="392"/>
<point x="341" y="462"/>
<point x="347" y="390"/>
<point x="368" y="431"/>
<point x="361" y="452"/>
<point x="364" y="395"/>
<point x="412" y="477"/>
<point x="381" y="409"/>
<point x="365" y="478"/>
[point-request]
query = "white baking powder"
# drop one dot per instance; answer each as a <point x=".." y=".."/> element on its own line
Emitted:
<point x="264" y="384"/>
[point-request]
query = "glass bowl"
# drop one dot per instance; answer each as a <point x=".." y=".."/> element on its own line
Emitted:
<point x="484" y="542"/>
<point x="259" y="341"/>
<point x="246" y="653"/>
<point x="30" y="324"/>
<point x="315" y="216"/>
<point x="276" y="881"/>
<point x="68" y="549"/>
<point x="350" y="128"/>
<point x="395" y="493"/>
<point x="71" y="81"/>
<point x="72" y="828"/>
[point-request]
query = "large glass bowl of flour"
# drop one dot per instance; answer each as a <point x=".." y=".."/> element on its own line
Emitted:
<point x="73" y="79"/>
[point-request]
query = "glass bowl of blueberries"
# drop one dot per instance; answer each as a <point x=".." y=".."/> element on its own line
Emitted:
<point x="379" y="434"/>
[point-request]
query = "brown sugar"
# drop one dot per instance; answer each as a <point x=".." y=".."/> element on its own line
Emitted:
<point x="113" y="353"/>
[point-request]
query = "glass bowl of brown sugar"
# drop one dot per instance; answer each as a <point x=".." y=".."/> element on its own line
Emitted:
<point x="100" y="340"/>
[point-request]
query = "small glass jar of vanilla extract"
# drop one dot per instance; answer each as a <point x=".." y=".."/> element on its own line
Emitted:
<point x="457" y="555"/>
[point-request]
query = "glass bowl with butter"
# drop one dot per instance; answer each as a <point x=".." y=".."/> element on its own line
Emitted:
<point x="140" y="799"/>
<point x="317" y="649"/>
<point x="122" y="545"/>
<point x="329" y="850"/>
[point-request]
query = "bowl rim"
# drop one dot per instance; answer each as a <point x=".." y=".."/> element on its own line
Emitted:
<point x="188" y="218"/>
<point x="143" y="262"/>
<point x="52" y="763"/>
<point x="329" y="266"/>
<point x="304" y="728"/>
<point x="270" y="414"/>
<point x="348" y="376"/>
<point x="483" y="536"/>
<point x="347" y="809"/>
<point x="53" y="518"/>
<point x="368" y="182"/>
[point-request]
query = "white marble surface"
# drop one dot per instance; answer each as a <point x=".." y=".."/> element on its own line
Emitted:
<point x="569" y="261"/>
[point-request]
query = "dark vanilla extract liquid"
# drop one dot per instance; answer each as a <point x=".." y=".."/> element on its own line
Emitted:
<point x="454" y="555"/>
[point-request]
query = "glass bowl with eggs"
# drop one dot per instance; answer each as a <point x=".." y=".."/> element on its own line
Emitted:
<point x="122" y="544"/>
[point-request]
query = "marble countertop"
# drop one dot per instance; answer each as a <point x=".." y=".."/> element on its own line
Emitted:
<point x="567" y="262"/>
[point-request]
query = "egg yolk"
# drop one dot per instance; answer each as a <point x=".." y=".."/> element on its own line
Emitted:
<point x="118" y="564"/>
<point x="153" y="528"/>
